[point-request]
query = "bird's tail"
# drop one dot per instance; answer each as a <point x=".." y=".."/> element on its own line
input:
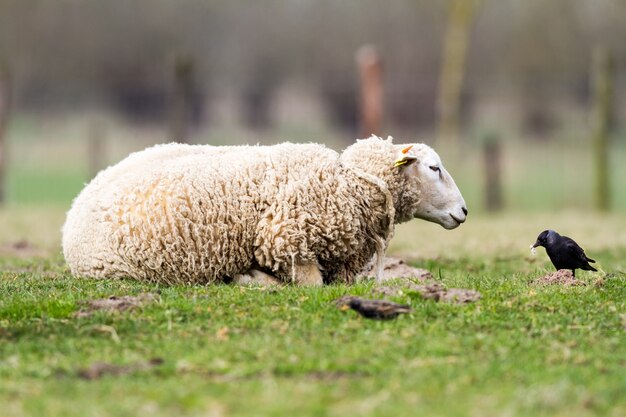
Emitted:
<point x="596" y="270"/>
<point x="591" y="268"/>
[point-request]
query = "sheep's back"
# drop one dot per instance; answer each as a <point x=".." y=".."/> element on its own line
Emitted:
<point x="178" y="212"/>
<point x="182" y="227"/>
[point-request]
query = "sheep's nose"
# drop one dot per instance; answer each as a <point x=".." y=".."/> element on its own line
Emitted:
<point x="464" y="210"/>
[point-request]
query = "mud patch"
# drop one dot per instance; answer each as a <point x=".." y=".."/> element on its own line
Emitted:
<point x="561" y="277"/>
<point x="394" y="268"/>
<point x="115" y="304"/>
<point x="98" y="370"/>
<point x="431" y="291"/>
<point x="438" y="292"/>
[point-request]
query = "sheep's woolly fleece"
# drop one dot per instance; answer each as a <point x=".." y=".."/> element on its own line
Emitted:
<point x="196" y="213"/>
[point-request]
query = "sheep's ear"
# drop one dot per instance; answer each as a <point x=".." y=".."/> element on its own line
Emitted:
<point x="405" y="157"/>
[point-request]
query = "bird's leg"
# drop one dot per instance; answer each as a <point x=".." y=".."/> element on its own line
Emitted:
<point x="573" y="273"/>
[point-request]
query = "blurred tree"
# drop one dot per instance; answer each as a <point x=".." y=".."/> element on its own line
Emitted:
<point x="460" y="17"/>
<point x="5" y="109"/>
<point x="602" y="71"/>
<point x="181" y="98"/>
<point x="73" y="53"/>
<point x="258" y="90"/>
<point x="546" y="60"/>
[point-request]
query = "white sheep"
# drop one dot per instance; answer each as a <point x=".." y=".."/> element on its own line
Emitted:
<point x="300" y="212"/>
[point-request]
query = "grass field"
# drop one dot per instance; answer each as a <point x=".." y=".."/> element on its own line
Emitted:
<point x="523" y="349"/>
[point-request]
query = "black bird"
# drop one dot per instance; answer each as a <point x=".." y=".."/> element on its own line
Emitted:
<point x="373" y="309"/>
<point x="564" y="252"/>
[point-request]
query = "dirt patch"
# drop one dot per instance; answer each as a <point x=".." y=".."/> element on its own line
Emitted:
<point x="438" y="292"/>
<point x="432" y="291"/>
<point x="21" y="249"/>
<point x="98" y="370"/>
<point x="395" y="268"/>
<point x="389" y="291"/>
<point x="561" y="277"/>
<point x="115" y="304"/>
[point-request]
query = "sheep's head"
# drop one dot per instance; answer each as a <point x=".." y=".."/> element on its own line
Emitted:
<point x="420" y="185"/>
<point x="440" y="200"/>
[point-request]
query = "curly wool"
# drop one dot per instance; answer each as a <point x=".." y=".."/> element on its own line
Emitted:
<point x="196" y="214"/>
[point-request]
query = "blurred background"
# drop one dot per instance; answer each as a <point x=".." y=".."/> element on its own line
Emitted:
<point x="524" y="99"/>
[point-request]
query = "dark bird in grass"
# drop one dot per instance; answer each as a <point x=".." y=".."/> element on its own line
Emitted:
<point x="563" y="252"/>
<point x="374" y="309"/>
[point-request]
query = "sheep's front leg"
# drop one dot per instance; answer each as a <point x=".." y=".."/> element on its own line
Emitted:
<point x="307" y="274"/>
<point x="282" y="243"/>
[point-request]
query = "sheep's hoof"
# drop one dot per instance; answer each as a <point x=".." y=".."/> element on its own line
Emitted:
<point x="255" y="277"/>
<point x="308" y="275"/>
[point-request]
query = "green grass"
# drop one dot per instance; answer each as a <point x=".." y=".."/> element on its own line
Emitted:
<point x="522" y="349"/>
<point x="36" y="186"/>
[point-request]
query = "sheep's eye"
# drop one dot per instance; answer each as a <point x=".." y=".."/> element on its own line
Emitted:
<point x="435" y="168"/>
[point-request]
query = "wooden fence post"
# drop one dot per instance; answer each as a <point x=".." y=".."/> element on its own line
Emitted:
<point x="492" y="156"/>
<point x="95" y="148"/>
<point x="602" y="79"/>
<point x="181" y="106"/>
<point x="5" y="108"/>
<point x="371" y="98"/>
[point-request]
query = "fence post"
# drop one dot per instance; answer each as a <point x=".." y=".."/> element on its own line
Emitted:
<point x="5" y="108"/>
<point x="371" y="98"/>
<point x="95" y="148"/>
<point x="602" y="79"/>
<point x="492" y="156"/>
<point x="180" y="106"/>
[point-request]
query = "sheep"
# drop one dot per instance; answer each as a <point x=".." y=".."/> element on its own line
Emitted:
<point x="302" y="213"/>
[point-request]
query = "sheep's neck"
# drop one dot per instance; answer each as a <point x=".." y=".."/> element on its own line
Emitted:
<point x="389" y="209"/>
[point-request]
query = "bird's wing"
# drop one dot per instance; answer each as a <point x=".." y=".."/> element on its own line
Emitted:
<point x="399" y="308"/>
<point x="574" y="250"/>
<point x="388" y="307"/>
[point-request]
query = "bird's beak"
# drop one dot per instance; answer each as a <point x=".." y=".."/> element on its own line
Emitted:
<point x="535" y="245"/>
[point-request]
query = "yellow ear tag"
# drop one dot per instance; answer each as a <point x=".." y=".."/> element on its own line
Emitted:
<point x="400" y="162"/>
<point x="403" y="161"/>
